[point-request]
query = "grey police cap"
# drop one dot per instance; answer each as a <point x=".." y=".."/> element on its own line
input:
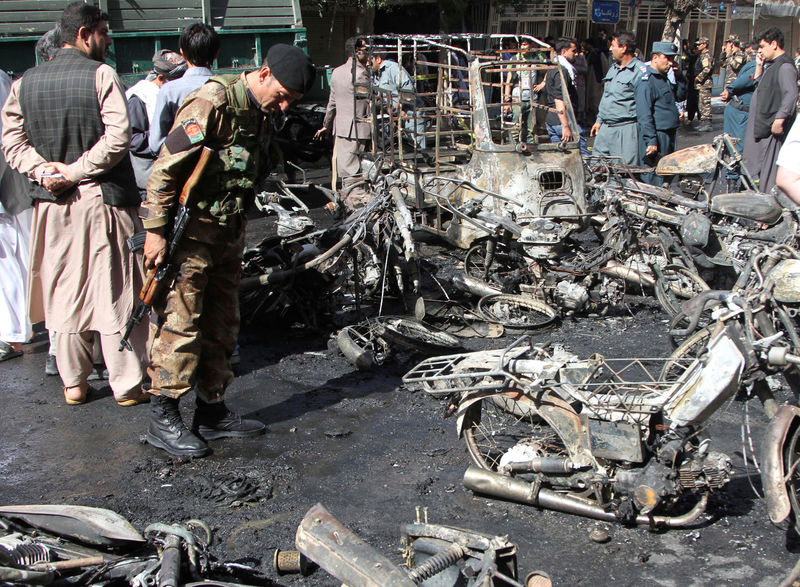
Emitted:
<point x="665" y="48"/>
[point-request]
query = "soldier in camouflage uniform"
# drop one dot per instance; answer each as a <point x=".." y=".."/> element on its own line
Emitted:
<point x="703" y="83"/>
<point x="198" y="317"/>
<point x="734" y="59"/>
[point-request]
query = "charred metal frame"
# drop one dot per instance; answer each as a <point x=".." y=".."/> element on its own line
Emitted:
<point x="469" y="154"/>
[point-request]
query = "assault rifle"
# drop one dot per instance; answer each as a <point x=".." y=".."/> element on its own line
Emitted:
<point x="156" y="275"/>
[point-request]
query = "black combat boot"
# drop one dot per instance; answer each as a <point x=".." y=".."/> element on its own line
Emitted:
<point x="168" y="432"/>
<point x="213" y="421"/>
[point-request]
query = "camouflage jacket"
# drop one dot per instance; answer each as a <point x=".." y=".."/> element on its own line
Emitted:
<point x="220" y="115"/>
<point x="703" y="68"/>
<point x="733" y="65"/>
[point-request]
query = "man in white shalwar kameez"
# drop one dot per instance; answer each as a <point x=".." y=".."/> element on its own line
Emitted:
<point x="15" y="232"/>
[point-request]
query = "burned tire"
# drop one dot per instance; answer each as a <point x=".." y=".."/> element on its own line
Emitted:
<point x="362" y="346"/>
<point x="503" y="267"/>
<point x="682" y="357"/>
<point x="475" y="263"/>
<point x="513" y="311"/>
<point x="414" y="335"/>
<point x="497" y="424"/>
<point x="675" y="284"/>
<point x="680" y="322"/>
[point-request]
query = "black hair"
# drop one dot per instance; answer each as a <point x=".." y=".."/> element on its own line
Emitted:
<point x="565" y="43"/>
<point x="48" y="45"/>
<point x="773" y="33"/>
<point x="626" y="39"/>
<point x="350" y="47"/>
<point x="200" y="44"/>
<point x="353" y="43"/>
<point x="77" y="15"/>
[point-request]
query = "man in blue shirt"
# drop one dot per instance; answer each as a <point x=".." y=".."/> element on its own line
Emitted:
<point x="737" y="95"/>
<point x="656" y="110"/>
<point x="616" y="129"/>
<point x="389" y="76"/>
<point x="199" y="45"/>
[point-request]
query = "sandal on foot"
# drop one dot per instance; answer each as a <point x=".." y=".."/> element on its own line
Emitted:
<point x="75" y="402"/>
<point x="143" y="398"/>
<point x="7" y="352"/>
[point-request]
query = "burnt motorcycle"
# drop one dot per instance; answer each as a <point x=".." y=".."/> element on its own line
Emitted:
<point x="76" y="545"/>
<point x="703" y="170"/>
<point x="710" y="235"/>
<point x="762" y="309"/>
<point x="313" y="264"/>
<point x="586" y="274"/>
<point x="623" y="439"/>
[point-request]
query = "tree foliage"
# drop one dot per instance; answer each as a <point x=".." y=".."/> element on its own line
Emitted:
<point x="331" y="7"/>
<point x="677" y="11"/>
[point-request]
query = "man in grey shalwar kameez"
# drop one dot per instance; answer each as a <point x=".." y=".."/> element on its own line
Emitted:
<point x="772" y="109"/>
<point x="616" y="128"/>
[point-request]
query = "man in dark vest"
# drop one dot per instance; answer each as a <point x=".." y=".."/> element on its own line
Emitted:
<point x="198" y="319"/>
<point x="66" y="127"/>
<point x="772" y="108"/>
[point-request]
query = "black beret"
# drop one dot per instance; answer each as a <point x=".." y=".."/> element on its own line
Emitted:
<point x="291" y="67"/>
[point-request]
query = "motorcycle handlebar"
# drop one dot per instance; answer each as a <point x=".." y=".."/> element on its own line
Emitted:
<point x="701" y="303"/>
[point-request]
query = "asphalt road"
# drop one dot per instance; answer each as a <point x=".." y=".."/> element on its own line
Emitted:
<point x="370" y="451"/>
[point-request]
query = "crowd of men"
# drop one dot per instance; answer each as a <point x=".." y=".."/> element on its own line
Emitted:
<point x="641" y="105"/>
<point x="70" y="139"/>
<point x="101" y="164"/>
<point x="640" y="110"/>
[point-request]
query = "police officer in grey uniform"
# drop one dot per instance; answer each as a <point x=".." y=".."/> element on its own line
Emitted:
<point x="616" y="129"/>
<point x="737" y="94"/>
<point x="656" y="110"/>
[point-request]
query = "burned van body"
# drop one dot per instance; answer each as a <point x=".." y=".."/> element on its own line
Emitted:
<point x="457" y="133"/>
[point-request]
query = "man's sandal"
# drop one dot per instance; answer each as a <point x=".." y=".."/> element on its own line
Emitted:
<point x="143" y="398"/>
<point x="7" y="352"/>
<point x="75" y="402"/>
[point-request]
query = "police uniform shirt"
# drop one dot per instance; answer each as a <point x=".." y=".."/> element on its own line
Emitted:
<point x="393" y="78"/>
<point x="618" y="104"/>
<point x="655" y="104"/>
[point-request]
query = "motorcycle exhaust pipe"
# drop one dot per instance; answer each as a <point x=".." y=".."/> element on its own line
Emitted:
<point x="628" y="274"/>
<point x="474" y="286"/>
<point x="495" y="485"/>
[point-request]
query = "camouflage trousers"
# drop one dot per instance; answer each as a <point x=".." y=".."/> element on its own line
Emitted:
<point x="704" y="101"/>
<point x="197" y="321"/>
